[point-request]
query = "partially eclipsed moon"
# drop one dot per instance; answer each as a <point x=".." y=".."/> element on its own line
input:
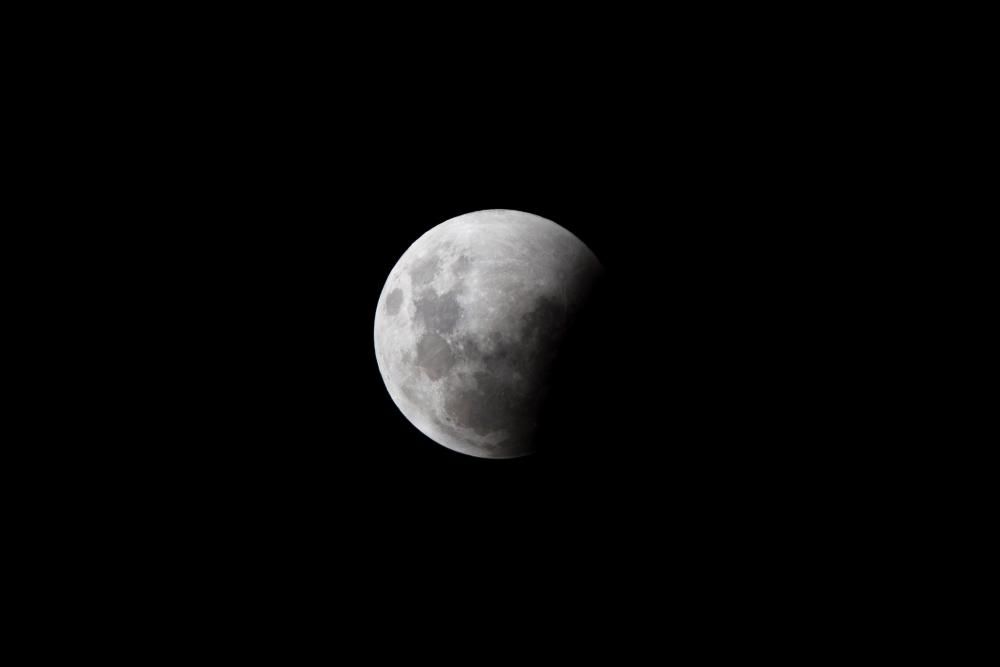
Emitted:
<point x="469" y="322"/>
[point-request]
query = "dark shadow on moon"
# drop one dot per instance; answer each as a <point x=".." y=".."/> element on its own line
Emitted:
<point x="576" y="413"/>
<point x="494" y="404"/>
<point x="507" y="394"/>
<point x="544" y="326"/>
<point x="547" y="384"/>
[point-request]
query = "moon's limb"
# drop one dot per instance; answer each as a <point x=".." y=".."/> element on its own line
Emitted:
<point x="469" y="320"/>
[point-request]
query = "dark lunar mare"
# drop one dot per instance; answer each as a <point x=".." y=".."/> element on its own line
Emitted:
<point x="438" y="312"/>
<point x="393" y="301"/>
<point x="434" y="355"/>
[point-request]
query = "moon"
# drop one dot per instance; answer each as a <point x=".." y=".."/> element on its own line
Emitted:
<point x="469" y="322"/>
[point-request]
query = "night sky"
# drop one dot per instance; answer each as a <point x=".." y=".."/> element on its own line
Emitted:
<point x="691" y="421"/>
<point x="238" y="188"/>
<point x="284" y="245"/>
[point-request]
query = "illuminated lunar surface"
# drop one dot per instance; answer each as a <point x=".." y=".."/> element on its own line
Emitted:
<point x="469" y="322"/>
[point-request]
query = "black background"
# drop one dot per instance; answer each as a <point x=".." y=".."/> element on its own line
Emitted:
<point x="277" y="224"/>
<point x="225" y="195"/>
<point x="260" y="195"/>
